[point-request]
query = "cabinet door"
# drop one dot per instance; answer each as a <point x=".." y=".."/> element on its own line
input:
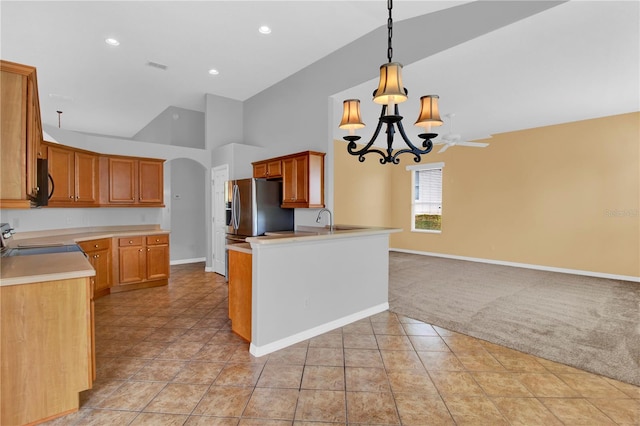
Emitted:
<point x="157" y="261"/>
<point x="122" y="180"/>
<point x="150" y="182"/>
<point x="86" y="168"/>
<point x="13" y="128"/>
<point x="131" y="264"/>
<point x="301" y="179"/>
<point x="61" y="169"/>
<point x="288" y="180"/>
<point x="260" y="170"/>
<point x="240" y="294"/>
<point x="101" y="262"/>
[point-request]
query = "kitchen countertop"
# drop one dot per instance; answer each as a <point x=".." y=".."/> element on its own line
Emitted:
<point x="16" y="270"/>
<point x="241" y="247"/>
<point x="44" y="267"/>
<point x="312" y="233"/>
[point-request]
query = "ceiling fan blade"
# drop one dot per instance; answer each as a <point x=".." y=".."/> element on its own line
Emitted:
<point x="444" y="148"/>
<point x="473" y="144"/>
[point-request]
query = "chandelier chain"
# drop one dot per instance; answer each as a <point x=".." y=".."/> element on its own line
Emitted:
<point x="389" y="31"/>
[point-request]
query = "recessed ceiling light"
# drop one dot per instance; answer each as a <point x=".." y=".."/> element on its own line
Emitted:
<point x="112" y="42"/>
<point x="214" y="71"/>
<point x="264" y="30"/>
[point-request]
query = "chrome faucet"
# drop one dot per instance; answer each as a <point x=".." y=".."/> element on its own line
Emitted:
<point x="330" y="217"/>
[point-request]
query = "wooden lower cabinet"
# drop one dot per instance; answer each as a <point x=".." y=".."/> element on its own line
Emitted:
<point x="46" y="349"/>
<point x="240" y="298"/>
<point x="99" y="255"/>
<point x="143" y="261"/>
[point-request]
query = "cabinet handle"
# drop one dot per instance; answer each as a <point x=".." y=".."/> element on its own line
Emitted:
<point x="130" y="242"/>
<point x="96" y="246"/>
<point x="148" y="249"/>
<point x="71" y="197"/>
<point x="140" y="250"/>
<point x="96" y="256"/>
<point x="157" y="240"/>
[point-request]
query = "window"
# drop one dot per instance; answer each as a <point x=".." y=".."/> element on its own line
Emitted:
<point x="426" y="203"/>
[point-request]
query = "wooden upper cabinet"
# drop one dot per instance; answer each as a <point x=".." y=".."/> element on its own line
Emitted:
<point x="21" y="134"/>
<point x="74" y="174"/>
<point x="303" y="180"/>
<point x="268" y="169"/>
<point x="135" y="181"/>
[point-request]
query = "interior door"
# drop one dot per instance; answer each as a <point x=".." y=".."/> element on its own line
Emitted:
<point x="220" y="176"/>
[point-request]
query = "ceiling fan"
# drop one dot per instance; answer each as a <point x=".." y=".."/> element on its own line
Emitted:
<point x="451" y="139"/>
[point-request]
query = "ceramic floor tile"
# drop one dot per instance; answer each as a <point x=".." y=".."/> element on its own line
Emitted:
<point x="362" y="327"/>
<point x="519" y="362"/>
<point x="270" y="403"/>
<point x="325" y="356"/>
<point x="401" y="360"/>
<point x="422" y="409"/>
<point x="331" y="340"/>
<point x="214" y="353"/>
<point x="411" y="381"/>
<point x="197" y="372"/>
<point x="177" y="398"/>
<point x="394" y="342"/>
<point x="440" y="361"/>
<point x="159" y="419"/>
<point x="428" y="343"/>
<point x="419" y="329"/>
<point x="363" y="358"/>
<point x="479" y="361"/>
<point x="388" y="328"/>
<point x="99" y="417"/>
<point x="525" y="411"/>
<point x="321" y="406"/>
<point x="455" y="383"/>
<point x="592" y="386"/>
<point x="211" y="421"/>
<point x="501" y="384"/>
<point x="159" y="370"/>
<point x="372" y="408"/>
<point x="281" y="376"/>
<point x="100" y="390"/>
<point x="245" y="374"/>
<point x="132" y="396"/>
<point x="360" y="341"/>
<point x="576" y="411"/>
<point x="181" y="349"/>
<point x="630" y="390"/>
<point x="366" y="379"/>
<point x="546" y="385"/>
<point x="323" y="377"/>
<point x="459" y="343"/>
<point x="622" y="411"/>
<point x="289" y="355"/>
<point x="224" y="401"/>
<point x="474" y="410"/>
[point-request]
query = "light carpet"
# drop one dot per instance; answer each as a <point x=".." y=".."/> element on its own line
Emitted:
<point x="586" y="322"/>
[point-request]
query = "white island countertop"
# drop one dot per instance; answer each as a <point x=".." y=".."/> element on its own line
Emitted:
<point x="314" y="233"/>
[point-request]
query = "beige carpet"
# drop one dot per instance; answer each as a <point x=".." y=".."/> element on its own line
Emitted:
<point x="586" y="322"/>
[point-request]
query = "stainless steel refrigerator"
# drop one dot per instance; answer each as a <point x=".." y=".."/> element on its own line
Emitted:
<point x="253" y="208"/>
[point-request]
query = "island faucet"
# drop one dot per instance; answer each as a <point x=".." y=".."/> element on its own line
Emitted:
<point x="330" y="217"/>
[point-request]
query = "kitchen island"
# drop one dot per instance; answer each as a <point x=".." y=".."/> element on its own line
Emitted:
<point x="313" y="280"/>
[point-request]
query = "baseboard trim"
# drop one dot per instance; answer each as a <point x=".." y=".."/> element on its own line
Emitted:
<point x="316" y="331"/>
<point x="523" y="265"/>
<point x="185" y="261"/>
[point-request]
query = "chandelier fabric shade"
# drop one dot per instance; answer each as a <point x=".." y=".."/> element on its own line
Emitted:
<point x="390" y="89"/>
<point x="351" y="115"/>
<point x="429" y="112"/>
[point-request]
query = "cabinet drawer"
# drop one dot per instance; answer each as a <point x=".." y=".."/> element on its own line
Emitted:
<point x="95" y="245"/>
<point x="157" y="239"/>
<point x="130" y="241"/>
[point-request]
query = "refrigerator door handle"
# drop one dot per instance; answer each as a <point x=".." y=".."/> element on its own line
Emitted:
<point x="236" y="207"/>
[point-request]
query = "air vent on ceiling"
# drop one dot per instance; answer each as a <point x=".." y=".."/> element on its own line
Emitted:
<point x="157" y="65"/>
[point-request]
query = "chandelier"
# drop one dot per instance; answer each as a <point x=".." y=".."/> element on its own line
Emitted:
<point x="389" y="94"/>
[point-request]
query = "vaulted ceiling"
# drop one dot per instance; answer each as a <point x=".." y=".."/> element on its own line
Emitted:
<point x="572" y="61"/>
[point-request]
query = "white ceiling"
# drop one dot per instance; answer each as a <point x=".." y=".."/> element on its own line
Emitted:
<point x="574" y="61"/>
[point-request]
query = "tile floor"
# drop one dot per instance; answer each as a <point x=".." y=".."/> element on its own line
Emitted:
<point x="167" y="356"/>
